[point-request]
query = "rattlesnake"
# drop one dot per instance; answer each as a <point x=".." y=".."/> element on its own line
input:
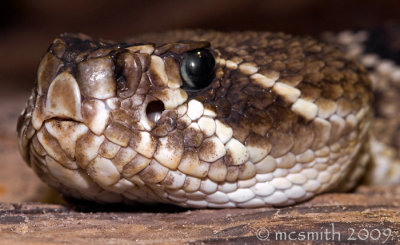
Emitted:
<point x="239" y="119"/>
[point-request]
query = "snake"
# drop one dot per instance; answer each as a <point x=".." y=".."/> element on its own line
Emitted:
<point x="208" y="119"/>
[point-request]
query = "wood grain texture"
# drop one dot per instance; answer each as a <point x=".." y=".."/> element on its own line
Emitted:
<point x="369" y="208"/>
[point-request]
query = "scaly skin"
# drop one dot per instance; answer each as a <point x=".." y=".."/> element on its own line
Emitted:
<point x="284" y="119"/>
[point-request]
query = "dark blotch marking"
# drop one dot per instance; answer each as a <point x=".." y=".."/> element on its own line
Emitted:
<point x="192" y="137"/>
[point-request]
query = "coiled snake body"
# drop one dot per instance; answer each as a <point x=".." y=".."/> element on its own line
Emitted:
<point x="274" y="120"/>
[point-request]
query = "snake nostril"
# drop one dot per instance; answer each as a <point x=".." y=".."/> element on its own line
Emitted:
<point x="154" y="110"/>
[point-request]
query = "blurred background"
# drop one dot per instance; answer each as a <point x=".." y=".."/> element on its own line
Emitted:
<point x="28" y="27"/>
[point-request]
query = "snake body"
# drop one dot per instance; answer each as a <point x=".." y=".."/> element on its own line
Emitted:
<point x="283" y="119"/>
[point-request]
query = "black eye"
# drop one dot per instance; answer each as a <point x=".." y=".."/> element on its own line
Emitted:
<point x="197" y="69"/>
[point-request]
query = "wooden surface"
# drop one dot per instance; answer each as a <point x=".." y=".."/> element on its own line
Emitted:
<point x="30" y="213"/>
<point x="350" y="216"/>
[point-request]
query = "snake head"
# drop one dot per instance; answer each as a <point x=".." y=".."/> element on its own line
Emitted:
<point x="241" y="119"/>
<point x="95" y="100"/>
<point x="79" y="77"/>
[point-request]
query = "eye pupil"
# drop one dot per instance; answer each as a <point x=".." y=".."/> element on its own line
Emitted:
<point x="197" y="69"/>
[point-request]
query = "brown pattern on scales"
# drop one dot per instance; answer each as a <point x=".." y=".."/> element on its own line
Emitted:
<point x="285" y="118"/>
<point x="377" y="50"/>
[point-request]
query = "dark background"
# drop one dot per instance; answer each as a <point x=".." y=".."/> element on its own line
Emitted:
<point x="28" y="27"/>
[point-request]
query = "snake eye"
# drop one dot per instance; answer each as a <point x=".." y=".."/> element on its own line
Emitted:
<point x="197" y="69"/>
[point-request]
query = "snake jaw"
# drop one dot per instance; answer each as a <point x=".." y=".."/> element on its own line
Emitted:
<point x="113" y="122"/>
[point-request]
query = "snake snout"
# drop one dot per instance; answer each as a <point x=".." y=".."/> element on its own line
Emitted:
<point x="154" y="110"/>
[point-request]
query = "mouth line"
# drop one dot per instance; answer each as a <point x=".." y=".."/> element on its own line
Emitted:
<point x="65" y="119"/>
